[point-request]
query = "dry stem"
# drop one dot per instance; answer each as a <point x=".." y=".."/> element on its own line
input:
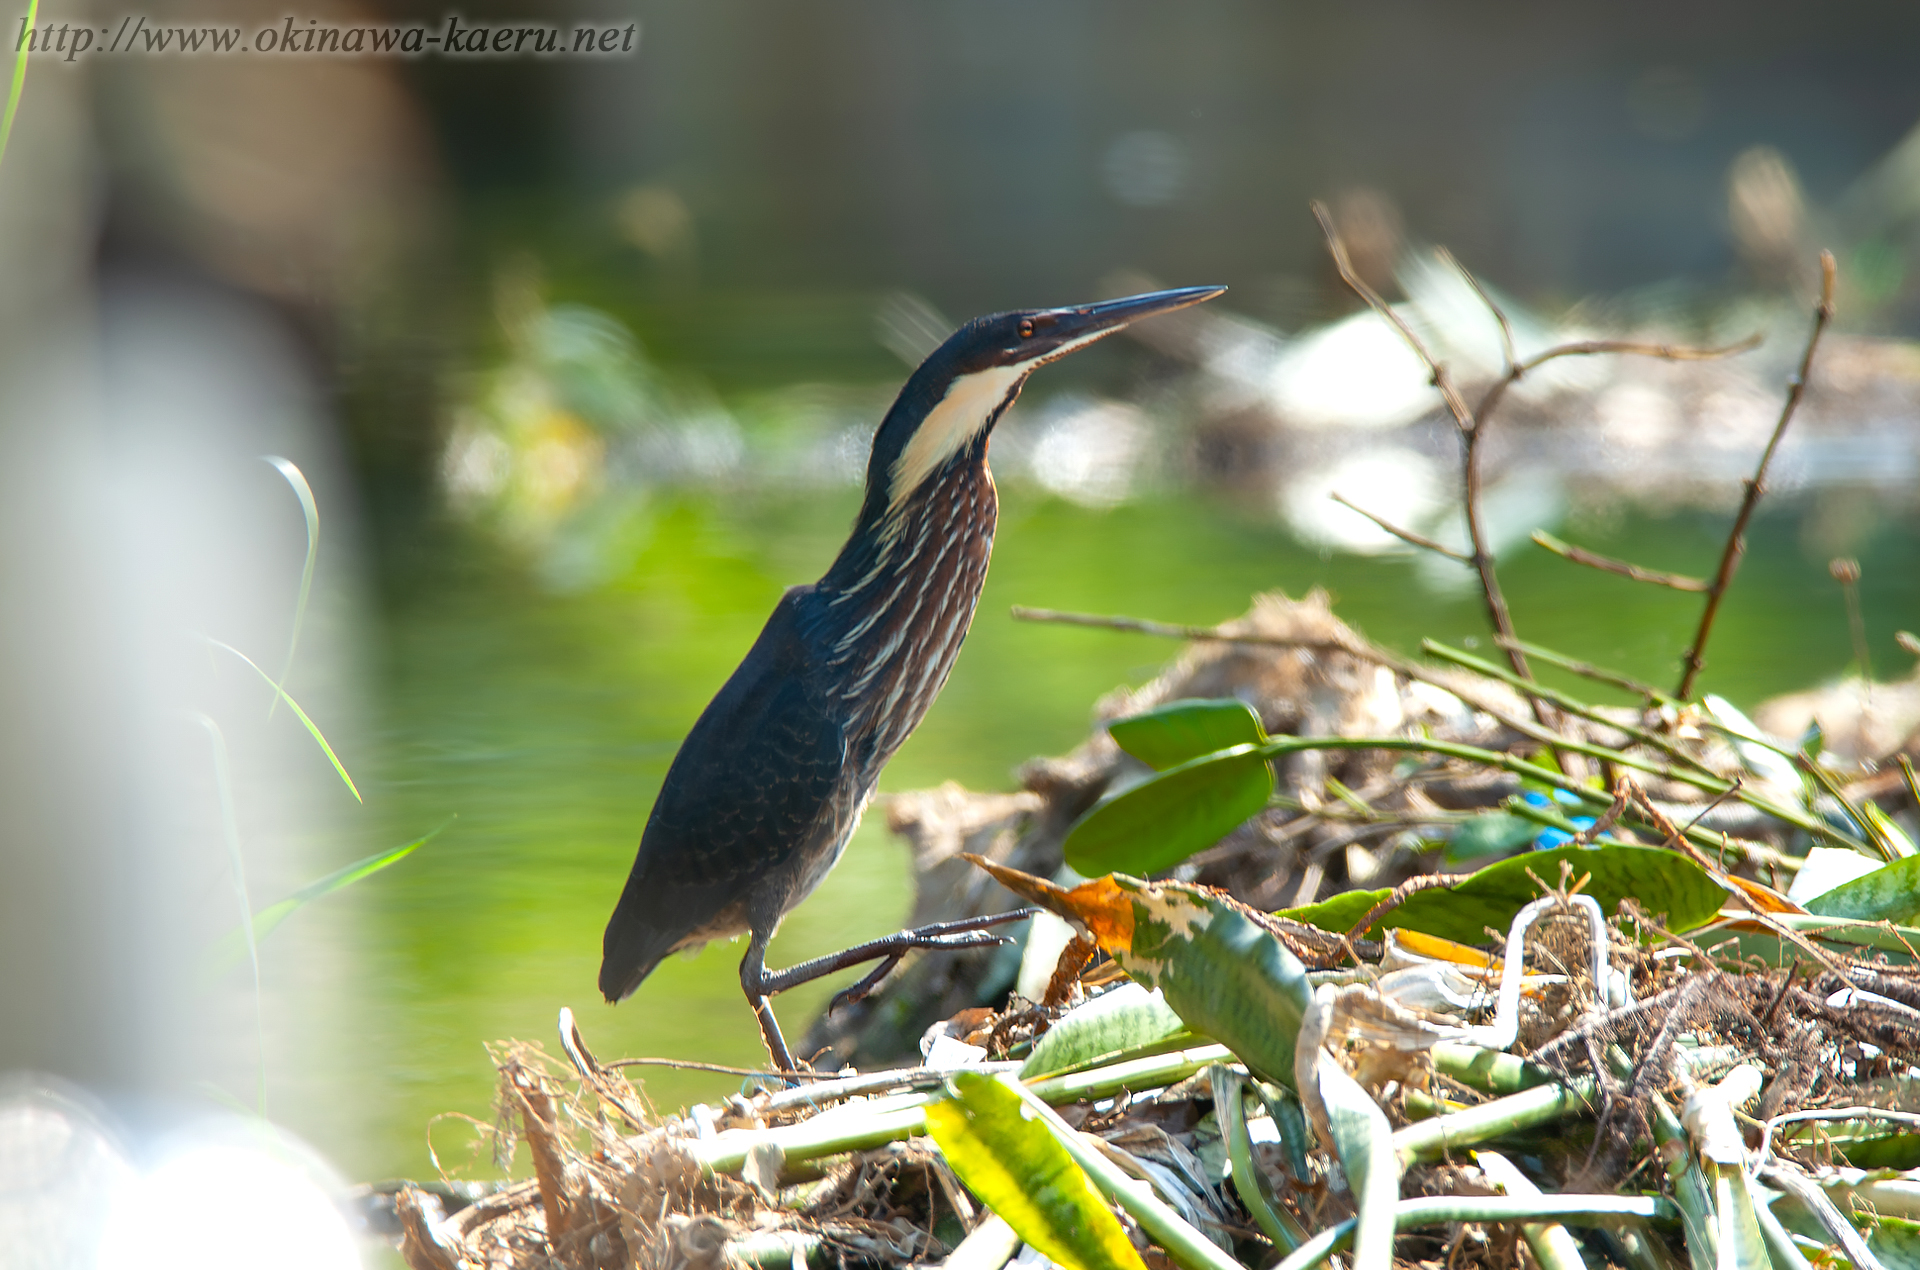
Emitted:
<point x="1737" y="540"/>
<point x="1607" y="564"/>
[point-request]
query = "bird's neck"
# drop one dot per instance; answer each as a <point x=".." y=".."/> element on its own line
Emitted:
<point x="893" y="610"/>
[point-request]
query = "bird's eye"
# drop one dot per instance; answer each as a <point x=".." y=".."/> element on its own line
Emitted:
<point x="1026" y="328"/>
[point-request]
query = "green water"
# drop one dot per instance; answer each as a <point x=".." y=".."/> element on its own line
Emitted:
<point x="546" y="721"/>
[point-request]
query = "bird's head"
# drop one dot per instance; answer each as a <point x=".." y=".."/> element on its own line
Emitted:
<point x="965" y="385"/>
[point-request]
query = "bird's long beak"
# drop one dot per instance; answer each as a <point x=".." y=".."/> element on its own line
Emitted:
<point x="1081" y="324"/>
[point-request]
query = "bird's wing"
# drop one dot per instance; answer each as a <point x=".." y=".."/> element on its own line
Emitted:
<point x="757" y="781"/>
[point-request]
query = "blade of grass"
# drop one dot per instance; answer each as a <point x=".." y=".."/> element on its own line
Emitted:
<point x="260" y="924"/>
<point x="29" y="24"/>
<point x="294" y="706"/>
<point x="1364" y="1141"/>
<point x="230" y="829"/>
<point x="311" y="511"/>
<point x="858" y="1127"/>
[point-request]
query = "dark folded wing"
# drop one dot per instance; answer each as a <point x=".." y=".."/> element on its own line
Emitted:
<point x="756" y="781"/>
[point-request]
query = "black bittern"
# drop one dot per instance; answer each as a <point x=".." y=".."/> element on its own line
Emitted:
<point x="767" y="788"/>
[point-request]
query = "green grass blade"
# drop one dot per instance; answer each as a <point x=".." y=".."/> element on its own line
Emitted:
<point x="1433" y="1138"/>
<point x="248" y="934"/>
<point x="293" y="705"/>
<point x="19" y="79"/>
<point x="272" y="915"/>
<point x="311" y="510"/>
<point x="258" y="925"/>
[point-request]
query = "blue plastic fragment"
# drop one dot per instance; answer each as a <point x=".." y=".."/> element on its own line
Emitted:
<point x="1548" y="839"/>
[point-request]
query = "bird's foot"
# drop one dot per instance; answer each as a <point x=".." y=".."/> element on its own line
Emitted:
<point x="967" y="932"/>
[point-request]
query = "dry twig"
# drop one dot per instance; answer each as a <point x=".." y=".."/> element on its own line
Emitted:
<point x="1737" y="539"/>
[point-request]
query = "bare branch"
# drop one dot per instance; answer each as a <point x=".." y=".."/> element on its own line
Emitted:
<point x="1607" y="564"/>
<point x="1337" y="248"/>
<point x="1358" y="646"/>
<point x="1737" y="539"/>
<point x="1469" y="426"/>
<point x="1633" y="348"/>
<point x="1507" y="356"/>
<point x="1173" y="630"/>
<point x="1405" y="535"/>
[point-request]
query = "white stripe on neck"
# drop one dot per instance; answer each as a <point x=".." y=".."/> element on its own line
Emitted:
<point x="951" y="426"/>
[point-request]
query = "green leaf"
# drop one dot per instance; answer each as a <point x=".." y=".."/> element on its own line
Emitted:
<point x="1338" y="913"/>
<point x="1660" y="881"/>
<point x="1182" y="730"/>
<point x="232" y="946"/>
<point x="1128" y="1022"/>
<point x="1019" y="1170"/>
<point x="1891" y="893"/>
<point x="1364" y="1140"/>
<point x="1166" y="818"/>
<point x="1228" y="977"/>
<point x="1494" y="833"/>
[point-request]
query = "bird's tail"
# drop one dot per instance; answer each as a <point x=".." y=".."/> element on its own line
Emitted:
<point x="629" y="954"/>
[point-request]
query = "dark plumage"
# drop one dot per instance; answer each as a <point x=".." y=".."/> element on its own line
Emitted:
<point x="767" y="788"/>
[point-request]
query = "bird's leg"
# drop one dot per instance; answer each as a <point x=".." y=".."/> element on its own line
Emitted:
<point x="754" y="981"/>
<point x="967" y="932"/>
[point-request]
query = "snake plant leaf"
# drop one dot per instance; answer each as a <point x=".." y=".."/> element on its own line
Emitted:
<point x="1016" y="1166"/>
<point x="1182" y="730"/>
<point x="1890" y="893"/>
<point x="1166" y="818"/>
<point x="1221" y="970"/>
<point x="1128" y="1022"/>
<point x="1363" y="1139"/>
<point x="1660" y="881"/>
<point x="1250" y="1182"/>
